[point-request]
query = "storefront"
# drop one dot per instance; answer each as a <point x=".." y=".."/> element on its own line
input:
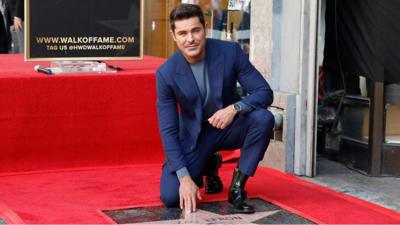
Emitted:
<point x="360" y="85"/>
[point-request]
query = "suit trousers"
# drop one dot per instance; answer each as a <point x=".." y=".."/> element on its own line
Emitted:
<point x="18" y="41"/>
<point x="250" y="132"/>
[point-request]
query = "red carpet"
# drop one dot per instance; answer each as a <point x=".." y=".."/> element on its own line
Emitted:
<point x="78" y="196"/>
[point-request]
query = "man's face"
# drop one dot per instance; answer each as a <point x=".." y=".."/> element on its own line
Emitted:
<point x="190" y="37"/>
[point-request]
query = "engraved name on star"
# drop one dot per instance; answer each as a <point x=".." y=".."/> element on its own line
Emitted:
<point x="205" y="217"/>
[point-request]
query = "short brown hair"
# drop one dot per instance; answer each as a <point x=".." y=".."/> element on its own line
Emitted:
<point x="186" y="11"/>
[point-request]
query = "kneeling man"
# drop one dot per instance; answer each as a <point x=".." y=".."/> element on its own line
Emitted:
<point x="200" y="112"/>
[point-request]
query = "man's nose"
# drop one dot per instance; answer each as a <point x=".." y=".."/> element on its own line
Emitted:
<point x="190" y="37"/>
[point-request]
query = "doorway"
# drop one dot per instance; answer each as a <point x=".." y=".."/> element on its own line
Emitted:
<point x="157" y="40"/>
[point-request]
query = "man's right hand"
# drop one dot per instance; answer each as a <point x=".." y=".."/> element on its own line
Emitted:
<point x="188" y="192"/>
<point x="17" y="24"/>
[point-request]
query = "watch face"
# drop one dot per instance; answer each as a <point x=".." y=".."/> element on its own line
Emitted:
<point x="237" y="107"/>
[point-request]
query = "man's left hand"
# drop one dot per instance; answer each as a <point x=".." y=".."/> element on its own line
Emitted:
<point x="223" y="118"/>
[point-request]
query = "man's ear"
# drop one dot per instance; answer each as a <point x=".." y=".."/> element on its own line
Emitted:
<point x="172" y="34"/>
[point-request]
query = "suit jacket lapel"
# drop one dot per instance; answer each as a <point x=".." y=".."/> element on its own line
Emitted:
<point x="187" y="84"/>
<point x="185" y="79"/>
<point x="215" y="66"/>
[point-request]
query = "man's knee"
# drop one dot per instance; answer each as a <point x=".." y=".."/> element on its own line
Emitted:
<point x="170" y="200"/>
<point x="263" y="119"/>
<point x="169" y="188"/>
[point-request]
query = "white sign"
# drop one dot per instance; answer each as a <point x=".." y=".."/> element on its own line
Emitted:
<point x="238" y="4"/>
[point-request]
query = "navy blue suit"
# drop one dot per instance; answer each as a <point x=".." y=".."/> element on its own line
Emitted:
<point x="188" y="140"/>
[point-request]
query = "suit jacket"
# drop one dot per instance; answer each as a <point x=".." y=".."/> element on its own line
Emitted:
<point x="5" y="36"/>
<point x="179" y="104"/>
<point x="16" y="8"/>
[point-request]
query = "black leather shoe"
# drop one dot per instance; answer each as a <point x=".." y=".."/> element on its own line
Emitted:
<point x="237" y="195"/>
<point x="213" y="184"/>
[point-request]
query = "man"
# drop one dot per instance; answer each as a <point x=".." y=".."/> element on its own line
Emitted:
<point x="200" y="112"/>
<point x="16" y="8"/>
<point x="5" y="37"/>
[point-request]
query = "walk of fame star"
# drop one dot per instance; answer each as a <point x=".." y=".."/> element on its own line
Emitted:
<point x="207" y="213"/>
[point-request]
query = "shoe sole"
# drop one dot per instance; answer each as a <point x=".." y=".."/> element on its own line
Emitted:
<point x="240" y="211"/>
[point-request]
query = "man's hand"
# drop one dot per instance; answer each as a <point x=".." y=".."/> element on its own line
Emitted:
<point x="17" y="24"/>
<point x="188" y="192"/>
<point x="223" y="118"/>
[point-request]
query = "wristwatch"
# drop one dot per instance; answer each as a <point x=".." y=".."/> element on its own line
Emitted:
<point x="237" y="107"/>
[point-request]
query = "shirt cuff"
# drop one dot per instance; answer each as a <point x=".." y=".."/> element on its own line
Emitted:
<point x="245" y="108"/>
<point x="182" y="172"/>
